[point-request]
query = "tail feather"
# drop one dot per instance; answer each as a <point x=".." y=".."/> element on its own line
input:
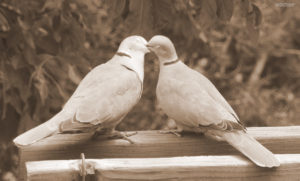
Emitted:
<point x="42" y="131"/>
<point x="252" y="149"/>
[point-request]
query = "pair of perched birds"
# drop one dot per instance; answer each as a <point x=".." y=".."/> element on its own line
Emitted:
<point x="109" y="91"/>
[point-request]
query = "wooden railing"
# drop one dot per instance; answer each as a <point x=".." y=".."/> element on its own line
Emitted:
<point x="156" y="156"/>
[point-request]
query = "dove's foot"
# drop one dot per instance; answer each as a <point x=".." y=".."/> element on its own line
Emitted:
<point x="175" y="132"/>
<point x="214" y="137"/>
<point x="120" y="135"/>
<point x="115" y="135"/>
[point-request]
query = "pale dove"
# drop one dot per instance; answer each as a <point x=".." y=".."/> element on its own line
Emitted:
<point x="196" y="105"/>
<point x="102" y="99"/>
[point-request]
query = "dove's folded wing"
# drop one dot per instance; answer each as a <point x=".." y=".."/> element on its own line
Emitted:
<point x="193" y="106"/>
<point x="105" y="101"/>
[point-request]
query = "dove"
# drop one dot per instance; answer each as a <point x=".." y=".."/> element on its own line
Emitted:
<point x="102" y="99"/>
<point x="196" y="105"/>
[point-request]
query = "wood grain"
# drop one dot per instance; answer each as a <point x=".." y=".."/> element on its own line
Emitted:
<point x="151" y="144"/>
<point x="175" y="168"/>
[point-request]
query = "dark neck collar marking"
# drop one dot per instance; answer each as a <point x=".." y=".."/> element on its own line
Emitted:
<point x="123" y="54"/>
<point x="127" y="68"/>
<point x="172" y="62"/>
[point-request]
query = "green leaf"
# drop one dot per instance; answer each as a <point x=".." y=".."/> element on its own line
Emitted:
<point x="204" y="13"/>
<point x="253" y="20"/>
<point x="17" y="62"/>
<point x="244" y="6"/>
<point x="4" y="26"/>
<point x="29" y="40"/>
<point x="47" y="45"/>
<point x="52" y="5"/>
<point x="142" y="13"/>
<point x="224" y="9"/>
<point x="2" y="77"/>
<point x="56" y="22"/>
<point x="73" y="36"/>
<point x="117" y="8"/>
<point x="40" y="82"/>
<point x="29" y="55"/>
<point x="254" y="16"/>
<point x="26" y="123"/>
<point x="74" y="77"/>
<point x="13" y="98"/>
<point x="13" y="78"/>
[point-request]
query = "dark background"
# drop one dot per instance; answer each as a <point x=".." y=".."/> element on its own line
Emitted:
<point x="248" y="49"/>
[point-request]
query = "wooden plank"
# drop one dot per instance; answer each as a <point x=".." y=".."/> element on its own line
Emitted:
<point x="153" y="144"/>
<point x="231" y="168"/>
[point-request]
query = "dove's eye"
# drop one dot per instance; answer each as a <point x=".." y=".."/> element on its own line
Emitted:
<point x="140" y="40"/>
<point x="163" y="49"/>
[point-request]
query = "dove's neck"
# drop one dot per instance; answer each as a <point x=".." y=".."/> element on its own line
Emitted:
<point x="133" y="61"/>
<point x="167" y="63"/>
<point x="169" y="59"/>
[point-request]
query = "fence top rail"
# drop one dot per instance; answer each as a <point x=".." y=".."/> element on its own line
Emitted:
<point x="230" y="167"/>
<point x="152" y="144"/>
<point x="153" y="136"/>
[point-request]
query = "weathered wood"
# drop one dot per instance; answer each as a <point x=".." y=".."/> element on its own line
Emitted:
<point x="153" y="144"/>
<point x="176" y="168"/>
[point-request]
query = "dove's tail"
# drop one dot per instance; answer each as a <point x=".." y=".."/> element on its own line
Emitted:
<point x="36" y="134"/>
<point x="252" y="149"/>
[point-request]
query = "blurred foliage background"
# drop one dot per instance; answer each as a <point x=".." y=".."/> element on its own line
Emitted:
<point x="249" y="49"/>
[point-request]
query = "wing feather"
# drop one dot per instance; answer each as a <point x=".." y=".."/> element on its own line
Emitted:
<point x="192" y="99"/>
<point x="105" y="95"/>
<point x="213" y="92"/>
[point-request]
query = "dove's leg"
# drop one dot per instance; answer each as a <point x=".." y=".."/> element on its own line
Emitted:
<point x="213" y="136"/>
<point x="112" y="134"/>
<point x="124" y="136"/>
<point x="176" y="132"/>
<point x="181" y="130"/>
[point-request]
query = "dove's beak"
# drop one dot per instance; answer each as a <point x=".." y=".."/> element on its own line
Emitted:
<point x="151" y="47"/>
<point x="147" y="50"/>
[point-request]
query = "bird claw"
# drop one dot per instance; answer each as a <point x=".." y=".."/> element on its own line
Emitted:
<point x="116" y="135"/>
<point x="175" y="132"/>
<point x="124" y="136"/>
<point x="130" y="134"/>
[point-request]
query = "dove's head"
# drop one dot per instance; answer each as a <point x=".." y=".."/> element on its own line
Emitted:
<point x="131" y="54"/>
<point x="163" y="48"/>
<point x="133" y="45"/>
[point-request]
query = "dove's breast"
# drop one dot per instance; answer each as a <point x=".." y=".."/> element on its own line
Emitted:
<point x="105" y="95"/>
<point x="185" y="99"/>
<point x="169" y="90"/>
